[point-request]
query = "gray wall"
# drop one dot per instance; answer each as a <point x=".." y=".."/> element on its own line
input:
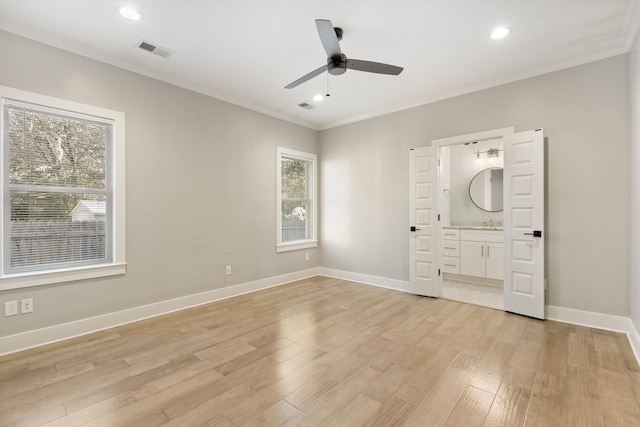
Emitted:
<point x="634" y="81"/>
<point x="585" y="113"/>
<point x="200" y="186"/>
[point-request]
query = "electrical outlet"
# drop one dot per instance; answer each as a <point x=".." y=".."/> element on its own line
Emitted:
<point x="228" y="270"/>
<point x="26" y="306"/>
<point x="10" y="308"/>
<point x="306" y="256"/>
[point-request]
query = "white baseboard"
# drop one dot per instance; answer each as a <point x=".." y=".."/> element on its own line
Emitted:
<point x="383" y="282"/>
<point x="50" y="334"/>
<point x="606" y="322"/>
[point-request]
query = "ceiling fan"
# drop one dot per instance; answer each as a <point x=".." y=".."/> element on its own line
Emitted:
<point x="337" y="62"/>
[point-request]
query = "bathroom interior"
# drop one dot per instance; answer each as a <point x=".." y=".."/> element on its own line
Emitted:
<point x="472" y="242"/>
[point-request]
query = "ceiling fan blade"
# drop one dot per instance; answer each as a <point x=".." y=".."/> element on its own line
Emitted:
<point x="373" y="67"/>
<point x="328" y="37"/>
<point x="307" y="77"/>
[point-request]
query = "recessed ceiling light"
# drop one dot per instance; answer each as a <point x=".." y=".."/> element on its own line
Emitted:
<point x="500" y="32"/>
<point x="318" y="97"/>
<point x="130" y="14"/>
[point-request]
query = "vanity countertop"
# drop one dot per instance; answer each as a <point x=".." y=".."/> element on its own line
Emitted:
<point x="473" y="227"/>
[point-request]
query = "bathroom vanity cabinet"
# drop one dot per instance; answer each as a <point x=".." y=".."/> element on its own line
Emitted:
<point x="482" y="253"/>
<point x="473" y="252"/>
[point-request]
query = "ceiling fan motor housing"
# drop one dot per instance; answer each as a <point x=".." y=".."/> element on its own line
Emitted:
<point x="337" y="64"/>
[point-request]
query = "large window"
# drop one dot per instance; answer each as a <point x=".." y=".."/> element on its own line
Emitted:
<point x="297" y="209"/>
<point x="63" y="190"/>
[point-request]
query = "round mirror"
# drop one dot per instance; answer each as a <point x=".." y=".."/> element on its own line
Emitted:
<point x="485" y="190"/>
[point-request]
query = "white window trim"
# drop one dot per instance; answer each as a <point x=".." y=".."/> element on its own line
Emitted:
<point x="297" y="244"/>
<point x="118" y="266"/>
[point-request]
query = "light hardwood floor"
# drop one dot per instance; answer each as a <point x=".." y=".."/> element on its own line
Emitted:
<point x="326" y="352"/>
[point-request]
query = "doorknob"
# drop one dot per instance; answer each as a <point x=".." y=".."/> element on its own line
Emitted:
<point x="536" y="233"/>
<point x="414" y="229"/>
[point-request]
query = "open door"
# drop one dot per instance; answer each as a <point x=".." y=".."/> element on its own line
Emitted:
<point x="524" y="278"/>
<point x="424" y="248"/>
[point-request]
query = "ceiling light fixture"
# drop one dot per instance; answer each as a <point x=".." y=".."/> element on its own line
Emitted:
<point x="500" y="33"/>
<point x="130" y="14"/>
<point x="317" y="97"/>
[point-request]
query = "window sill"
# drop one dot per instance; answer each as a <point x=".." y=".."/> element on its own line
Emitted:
<point x="39" y="278"/>
<point x="294" y="246"/>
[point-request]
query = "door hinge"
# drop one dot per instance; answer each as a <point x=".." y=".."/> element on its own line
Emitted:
<point x="438" y="162"/>
<point x="438" y="217"/>
<point x="438" y="272"/>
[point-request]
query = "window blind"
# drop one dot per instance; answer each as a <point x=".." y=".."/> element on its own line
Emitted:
<point x="58" y="193"/>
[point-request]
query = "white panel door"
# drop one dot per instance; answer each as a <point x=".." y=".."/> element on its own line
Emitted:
<point x="524" y="223"/>
<point x="424" y="248"/>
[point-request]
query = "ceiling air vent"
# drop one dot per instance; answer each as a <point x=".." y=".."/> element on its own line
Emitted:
<point x="306" y="106"/>
<point x="156" y="50"/>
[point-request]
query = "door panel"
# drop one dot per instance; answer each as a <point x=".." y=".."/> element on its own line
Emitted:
<point x="523" y="214"/>
<point x="424" y="250"/>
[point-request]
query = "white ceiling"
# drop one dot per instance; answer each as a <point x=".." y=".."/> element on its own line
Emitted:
<point x="246" y="51"/>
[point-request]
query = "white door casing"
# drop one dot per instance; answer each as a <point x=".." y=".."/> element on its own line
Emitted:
<point x="424" y="245"/>
<point x="524" y="279"/>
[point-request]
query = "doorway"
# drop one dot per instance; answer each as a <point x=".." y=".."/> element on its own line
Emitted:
<point x="483" y="248"/>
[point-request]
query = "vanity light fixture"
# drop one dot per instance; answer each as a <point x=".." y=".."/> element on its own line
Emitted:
<point x="130" y="14"/>
<point x="492" y="155"/>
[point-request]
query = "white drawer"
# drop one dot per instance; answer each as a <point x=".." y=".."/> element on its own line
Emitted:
<point x="450" y="248"/>
<point x="481" y="235"/>
<point x="450" y="265"/>
<point x="450" y="234"/>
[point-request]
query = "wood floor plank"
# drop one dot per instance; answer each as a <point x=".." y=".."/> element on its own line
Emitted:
<point x="426" y="375"/>
<point x="493" y="366"/>
<point x="394" y="412"/>
<point x="619" y="403"/>
<point x="583" y="407"/>
<point x="153" y="402"/>
<point x="324" y="351"/>
<point x="93" y="412"/>
<point x="210" y="409"/>
<point x="435" y="407"/>
<point x="608" y="352"/>
<point x="327" y="405"/>
<point x="581" y="353"/>
<point x="275" y="415"/>
<point x="359" y="412"/>
<point x="509" y="407"/>
<point x="472" y="408"/>
<point x="554" y="355"/>
<point x="548" y="400"/>
<point x="630" y="362"/>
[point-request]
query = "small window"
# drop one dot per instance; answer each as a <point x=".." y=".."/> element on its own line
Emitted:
<point x="63" y="205"/>
<point x="297" y="210"/>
